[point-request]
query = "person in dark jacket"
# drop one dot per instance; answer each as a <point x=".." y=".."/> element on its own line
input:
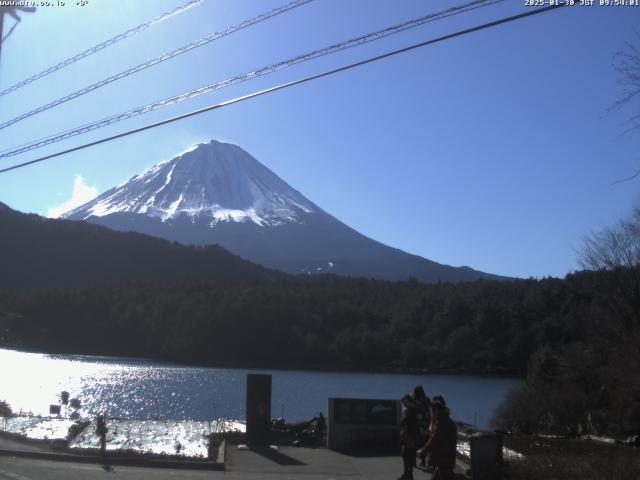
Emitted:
<point x="442" y="443"/>
<point x="101" y="431"/>
<point x="409" y="441"/>
<point x="423" y="407"/>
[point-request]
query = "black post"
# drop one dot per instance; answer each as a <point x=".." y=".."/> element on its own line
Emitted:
<point x="13" y="11"/>
<point x="258" y="409"/>
<point x="1" y="34"/>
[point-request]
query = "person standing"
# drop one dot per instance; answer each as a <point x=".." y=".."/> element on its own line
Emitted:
<point x="423" y="406"/>
<point x="101" y="431"/>
<point x="408" y="440"/>
<point x="442" y="443"/>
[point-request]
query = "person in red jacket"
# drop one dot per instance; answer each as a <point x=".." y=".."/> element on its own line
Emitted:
<point x="442" y="443"/>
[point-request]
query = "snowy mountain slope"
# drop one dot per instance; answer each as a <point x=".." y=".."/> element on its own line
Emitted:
<point x="216" y="193"/>
<point x="220" y="182"/>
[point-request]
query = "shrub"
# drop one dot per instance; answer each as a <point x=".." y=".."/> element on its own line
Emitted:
<point x="5" y="409"/>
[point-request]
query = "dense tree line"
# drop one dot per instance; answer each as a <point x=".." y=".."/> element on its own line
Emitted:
<point x="590" y="382"/>
<point x="325" y="322"/>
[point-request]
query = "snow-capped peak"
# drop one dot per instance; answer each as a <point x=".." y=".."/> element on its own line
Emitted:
<point x="213" y="181"/>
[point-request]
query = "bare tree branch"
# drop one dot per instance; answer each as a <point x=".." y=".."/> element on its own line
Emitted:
<point x="626" y="63"/>
<point x="617" y="250"/>
<point x="627" y="179"/>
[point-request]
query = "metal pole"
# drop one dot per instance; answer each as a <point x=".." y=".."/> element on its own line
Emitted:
<point x="1" y="34"/>
<point x="13" y="11"/>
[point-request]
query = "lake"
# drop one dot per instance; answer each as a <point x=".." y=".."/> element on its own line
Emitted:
<point x="139" y="390"/>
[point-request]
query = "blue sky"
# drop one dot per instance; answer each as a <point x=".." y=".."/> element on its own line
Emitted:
<point x="492" y="150"/>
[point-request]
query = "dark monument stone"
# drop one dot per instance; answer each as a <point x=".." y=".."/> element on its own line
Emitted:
<point x="258" y="409"/>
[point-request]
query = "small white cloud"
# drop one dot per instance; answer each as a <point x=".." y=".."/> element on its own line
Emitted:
<point x="82" y="193"/>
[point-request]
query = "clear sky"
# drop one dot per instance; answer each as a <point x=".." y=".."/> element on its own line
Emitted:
<point x="492" y="150"/>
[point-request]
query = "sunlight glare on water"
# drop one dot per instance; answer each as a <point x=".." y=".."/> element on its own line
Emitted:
<point x="31" y="382"/>
<point x="132" y="389"/>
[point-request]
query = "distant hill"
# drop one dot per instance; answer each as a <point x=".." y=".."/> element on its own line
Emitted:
<point x="217" y="193"/>
<point x="40" y="252"/>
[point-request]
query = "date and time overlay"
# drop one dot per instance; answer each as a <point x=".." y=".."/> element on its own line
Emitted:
<point x="527" y="3"/>
<point x="583" y="3"/>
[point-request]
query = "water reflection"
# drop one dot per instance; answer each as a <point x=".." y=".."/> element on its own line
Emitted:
<point x="139" y="390"/>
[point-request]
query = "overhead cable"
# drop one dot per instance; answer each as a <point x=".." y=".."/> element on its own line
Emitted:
<point x="103" y="45"/>
<point x="289" y="84"/>
<point x="157" y="60"/>
<point x="338" y="47"/>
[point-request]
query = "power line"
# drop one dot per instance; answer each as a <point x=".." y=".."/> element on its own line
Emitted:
<point x="354" y="42"/>
<point x="292" y="83"/>
<point x="160" y="59"/>
<point x="103" y="45"/>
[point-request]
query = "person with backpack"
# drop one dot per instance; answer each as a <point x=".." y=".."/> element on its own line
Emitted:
<point x="442" y="443"/>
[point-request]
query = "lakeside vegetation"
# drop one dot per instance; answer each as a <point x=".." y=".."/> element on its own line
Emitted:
<point x="570" y="459"/>
<point x="590" y="384"/>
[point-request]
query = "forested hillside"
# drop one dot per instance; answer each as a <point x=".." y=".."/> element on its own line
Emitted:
<point x="325" y="322"/>
<point x="37" y="252"/>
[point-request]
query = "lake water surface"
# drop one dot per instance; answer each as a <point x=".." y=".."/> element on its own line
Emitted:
<point x="140" y="390"/>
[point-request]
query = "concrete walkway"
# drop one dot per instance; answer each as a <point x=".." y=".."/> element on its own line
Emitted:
<point x="284" y="463"/>
<point x="310" y="463"/>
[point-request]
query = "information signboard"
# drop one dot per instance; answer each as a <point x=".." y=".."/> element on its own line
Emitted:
<point x="356" y="411"/>
<point x="363" y="424"/>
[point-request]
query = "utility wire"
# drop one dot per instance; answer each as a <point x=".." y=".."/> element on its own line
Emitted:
<point x="103" y="45"/>
<point x="13" y="27"/>
<point x="290" y="84"/>
<point x="160" y="59"/>
<point x="354" y="42"/>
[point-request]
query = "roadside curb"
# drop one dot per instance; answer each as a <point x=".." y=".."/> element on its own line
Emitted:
<point x="123" y="461"/>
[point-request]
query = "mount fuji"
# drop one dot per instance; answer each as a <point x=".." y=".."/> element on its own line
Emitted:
<point x="217" y="193"/>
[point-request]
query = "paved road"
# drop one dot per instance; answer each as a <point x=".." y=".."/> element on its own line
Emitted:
<point x="284" y="464"/>
<point x="29" y="469"/>
<point x="12" y="468"/>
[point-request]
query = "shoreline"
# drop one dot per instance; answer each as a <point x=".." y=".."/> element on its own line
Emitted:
<point x="129" y="438"/>
<point x="110" y="358"/>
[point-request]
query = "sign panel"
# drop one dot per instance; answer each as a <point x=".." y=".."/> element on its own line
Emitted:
<point x="363" y="424"/>
<point x="353" y="411"/>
